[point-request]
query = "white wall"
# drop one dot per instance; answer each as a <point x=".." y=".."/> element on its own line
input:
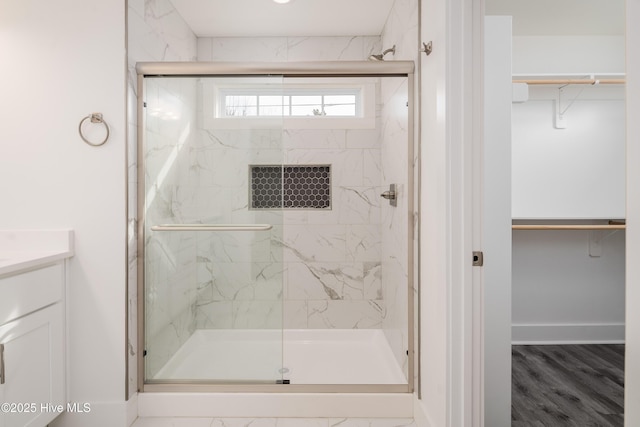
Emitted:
<point x="575" y="172"/>
<point x="496" y="286"/>
<point x="447" y="135"/>
<point x="568" y="54"/>
<point x="561" y="293"/>
<point x="632" y="368"/>
<point x="66" y="62"/>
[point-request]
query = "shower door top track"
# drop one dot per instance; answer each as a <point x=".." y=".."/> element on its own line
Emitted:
<point x="284" y="69"/>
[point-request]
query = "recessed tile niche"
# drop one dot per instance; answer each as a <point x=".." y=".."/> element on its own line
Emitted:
<point x="290" y="187"/>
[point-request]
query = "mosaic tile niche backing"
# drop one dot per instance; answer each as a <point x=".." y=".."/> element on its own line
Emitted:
<point x="290" y="187"/>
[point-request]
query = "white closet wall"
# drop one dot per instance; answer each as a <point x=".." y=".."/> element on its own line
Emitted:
<point x="568" y="286"/>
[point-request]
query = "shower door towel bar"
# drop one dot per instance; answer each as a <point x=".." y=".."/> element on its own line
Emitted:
<point x="212" y="227"/>
<point x="95" y="118"/>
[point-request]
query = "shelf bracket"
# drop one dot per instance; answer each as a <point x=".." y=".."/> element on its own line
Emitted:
<point x="596" y="237"/>
<point x="560" y="120"/>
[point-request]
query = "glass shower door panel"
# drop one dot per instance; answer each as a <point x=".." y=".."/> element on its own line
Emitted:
<point x="213" y="268"/>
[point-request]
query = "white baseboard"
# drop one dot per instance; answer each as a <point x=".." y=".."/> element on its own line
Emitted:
<point x="603" y="333"/>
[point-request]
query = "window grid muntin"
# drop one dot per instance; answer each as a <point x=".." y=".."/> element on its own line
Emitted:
<point x="288" y="104"/>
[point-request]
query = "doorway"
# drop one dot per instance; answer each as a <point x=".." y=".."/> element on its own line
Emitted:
<point x="568" y="247"/>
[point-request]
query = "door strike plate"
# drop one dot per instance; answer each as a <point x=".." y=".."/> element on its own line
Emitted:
<point x="478" y="259"/>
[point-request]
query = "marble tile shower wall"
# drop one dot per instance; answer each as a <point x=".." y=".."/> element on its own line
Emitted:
<point x="324" y="265"/>
<point x="156" y="32"/>
<point x="278" y="49"/>
<point x="394" y="238"/>
<point x="401" y="29"/>
<point x="331" y="275"/>
<point x="170" y="257"/>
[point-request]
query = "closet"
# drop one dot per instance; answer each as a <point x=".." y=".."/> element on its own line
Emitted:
<point x="568" y="217"/>
<point x="557" y="277"/>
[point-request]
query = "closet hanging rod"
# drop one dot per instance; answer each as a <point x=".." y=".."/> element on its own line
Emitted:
<point x="568" y="226"/>
<point x="592" y="82"/>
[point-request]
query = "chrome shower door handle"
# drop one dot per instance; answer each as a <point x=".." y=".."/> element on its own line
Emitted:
<point x="391" y="195"/>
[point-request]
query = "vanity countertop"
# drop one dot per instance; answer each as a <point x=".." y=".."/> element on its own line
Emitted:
<point x="26" y="249"/>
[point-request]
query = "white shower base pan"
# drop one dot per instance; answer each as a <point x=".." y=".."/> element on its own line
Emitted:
<point x="302" y="356"/>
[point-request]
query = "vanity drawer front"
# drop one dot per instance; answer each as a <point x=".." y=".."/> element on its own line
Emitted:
<point x="27" y="292"/>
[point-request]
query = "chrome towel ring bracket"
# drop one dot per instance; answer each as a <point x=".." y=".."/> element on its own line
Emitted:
<point x="95" y="118"/>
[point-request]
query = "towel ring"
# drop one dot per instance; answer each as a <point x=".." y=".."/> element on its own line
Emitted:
<point x="95" y="118"/>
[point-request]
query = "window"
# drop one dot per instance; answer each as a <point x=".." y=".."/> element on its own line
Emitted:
<point x="331" y="103"/>
<point x="318" y="103"/>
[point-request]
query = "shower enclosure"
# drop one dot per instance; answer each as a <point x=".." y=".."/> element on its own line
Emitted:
<point x="276" y="226"/>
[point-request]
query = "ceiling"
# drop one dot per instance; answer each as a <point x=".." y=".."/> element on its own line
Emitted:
<point x="561" y="17"/>
<point x="265" y="18"/>
<point x="306" y="18"/>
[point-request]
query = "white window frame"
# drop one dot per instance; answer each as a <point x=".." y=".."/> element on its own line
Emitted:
<point x="215" y="91"/>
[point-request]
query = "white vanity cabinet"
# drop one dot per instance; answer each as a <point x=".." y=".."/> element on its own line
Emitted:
<point x="32" y="338"/>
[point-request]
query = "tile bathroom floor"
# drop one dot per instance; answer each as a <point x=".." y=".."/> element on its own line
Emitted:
<point x="274" y="422"/>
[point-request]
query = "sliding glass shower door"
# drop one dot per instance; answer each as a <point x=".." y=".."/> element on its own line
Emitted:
<point x="275" y="240"/>
<point x="211" y="194"/>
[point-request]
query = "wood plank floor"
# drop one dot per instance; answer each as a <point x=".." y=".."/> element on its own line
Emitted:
<point x="567" y="385"/>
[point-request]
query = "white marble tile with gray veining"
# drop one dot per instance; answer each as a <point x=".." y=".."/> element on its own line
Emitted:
<point x="214" y="315"/>
<point x="371" y="45"/>
<point x="248" y="139"/>
<point x="247" y="49"/>
<point x="344" y="314"/>
<point x="359" y="205"/>
<point x="167" y="339"/>
<point x="372" y="168"/>
<point x="346" y="165"/>
<point x="317" y="281"/>
<point x="295" y="314"/>
<point x="164" y="20"/>
<point x="364" y="242"/>
<point x="143" y="43"/>
<point x="326" y="48"/>
<point x="372" y="280"/>
<point x="257" y="314"/>
<point x="318" y="243"/>
<point x="363" y="138"/>
<point x="401" y="29"/>
<point x="236" y="247"/>
<point x="322" y="139"/>
<point x="204" y="49"/>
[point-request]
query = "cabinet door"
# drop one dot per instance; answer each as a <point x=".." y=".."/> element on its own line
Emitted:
<point x="33" y="362"/>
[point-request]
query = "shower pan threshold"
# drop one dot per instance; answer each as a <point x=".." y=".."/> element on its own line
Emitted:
<point x="302" y="356"/>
